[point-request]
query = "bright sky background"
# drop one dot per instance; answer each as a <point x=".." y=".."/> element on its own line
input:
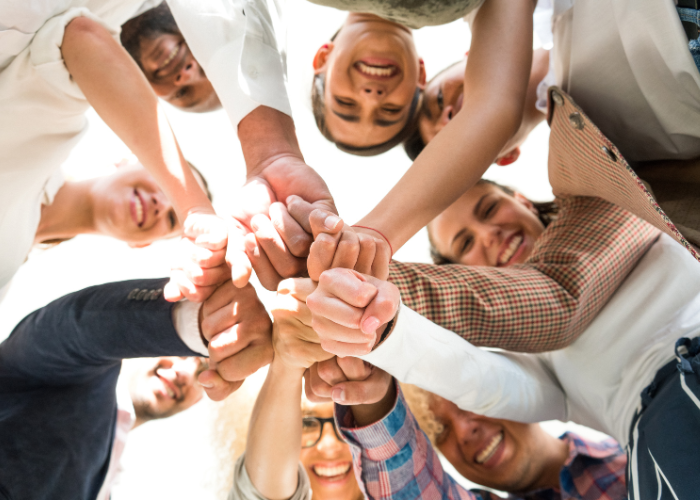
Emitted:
<point x="173" y="458"/>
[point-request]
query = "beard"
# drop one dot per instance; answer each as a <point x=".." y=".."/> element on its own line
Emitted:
<point x="149" y="25"/>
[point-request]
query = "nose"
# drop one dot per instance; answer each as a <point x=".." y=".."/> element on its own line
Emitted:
<point x="488" y="235"/>
<point x="184" y="372"/>
<point x="188" y="75"/>
<point x="444" y="118"/>
<point x="329" y="444"/>
<point x="466" y="427"/>
<point x="159" y="204"/>
<point x="373" y="91"/>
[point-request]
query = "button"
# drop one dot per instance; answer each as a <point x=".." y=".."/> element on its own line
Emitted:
<point x="609" y="152"/>
<point x="154" y="294"/>
<point x="141" y="294"/>
<point x="133" y="293"/>
<point x="557" y="98"/>
<point x="576" y="120"/>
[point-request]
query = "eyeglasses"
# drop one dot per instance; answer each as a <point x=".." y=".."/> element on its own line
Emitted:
<point x="312" y="430"/>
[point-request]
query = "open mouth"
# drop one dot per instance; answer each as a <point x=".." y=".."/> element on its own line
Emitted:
<point x="332" y="473"/>
<point x="489" y="450"/>
<point x="169" y="387"/>
<point x="138" y="212"/>
<point x="174" y="59"/>
<point x="376" y="71"/>
<point x="170" y="56"/>
<point x="512" y="246"/>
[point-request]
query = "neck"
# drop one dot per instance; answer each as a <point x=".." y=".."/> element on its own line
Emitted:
<point x="554" y="456"/>
<point x="70" y="214"/>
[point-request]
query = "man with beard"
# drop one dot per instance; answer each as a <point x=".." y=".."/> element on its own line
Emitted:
<point x="61" y="427"/>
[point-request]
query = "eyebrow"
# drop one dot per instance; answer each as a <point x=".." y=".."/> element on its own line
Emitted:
<point x="478" y="204"/>
<point x="347" y="118"/>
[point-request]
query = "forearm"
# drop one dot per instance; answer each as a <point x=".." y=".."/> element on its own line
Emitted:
<point x="495" y="84"/>
<point x="114" y="85"/>
<point x="545" y="304"/>
<point x="267" y="135"/>
<point x="274" y="435"/>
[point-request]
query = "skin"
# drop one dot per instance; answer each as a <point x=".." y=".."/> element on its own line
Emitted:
<point x="444" y="96"/>
<point x="107" y="205"/>
<point x="376" y="107"/>
<point x="526" y="459"/>
<point x="175" y="74"/>
<point x="478" y="228"/>
<point x="329" y="452"/>
<point x="166" y="386"/>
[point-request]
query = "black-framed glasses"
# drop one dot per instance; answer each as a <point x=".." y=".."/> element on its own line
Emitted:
<point x="312" y="430"/>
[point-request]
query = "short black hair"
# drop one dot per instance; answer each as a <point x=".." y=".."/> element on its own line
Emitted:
<point x="150" y="24"/>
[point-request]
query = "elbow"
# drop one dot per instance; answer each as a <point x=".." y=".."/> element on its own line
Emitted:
<point x="81" y="30"/>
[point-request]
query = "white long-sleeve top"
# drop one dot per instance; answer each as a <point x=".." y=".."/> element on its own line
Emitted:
<point x="596" y="381"/>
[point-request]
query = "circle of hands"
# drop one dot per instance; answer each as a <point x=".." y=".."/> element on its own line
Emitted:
<point x="333" y="300"/>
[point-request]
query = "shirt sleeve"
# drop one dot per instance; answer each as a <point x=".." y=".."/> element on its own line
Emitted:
<point x="512" y="386"/>
<point x="243" y="488"/>
<point x="234" y="42"/>
<point x="186" y="321"/>
<point x="546" y="303"/>
<point x="393" y="459"/>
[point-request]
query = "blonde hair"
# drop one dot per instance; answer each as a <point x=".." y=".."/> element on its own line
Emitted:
<point x="418" y="401"/>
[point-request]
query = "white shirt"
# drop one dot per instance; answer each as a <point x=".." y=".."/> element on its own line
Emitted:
<point x="235" y="42"/>
<point x="596" y="381"/>
<point x="42" y="111"/>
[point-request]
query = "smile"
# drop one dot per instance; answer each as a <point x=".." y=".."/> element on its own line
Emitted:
<point x="138" y="212"/>
<point x="376" y="71"/>
<point x="170" y="57"/>
<point x="334" y="473"/>
<point x="169" y="387"/>
<point x="510" y="250"/>
<point x="484" y="455"/>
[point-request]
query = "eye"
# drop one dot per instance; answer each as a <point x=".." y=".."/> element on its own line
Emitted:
<point x="345" y="102"/>
<point x="490" y="209"/>
<point x="440" y="99"/>
<point x="391" y="110"/>
<point x="172" y="218"/>
<point x="467" y="244"/>
<point x="182" y="92"/>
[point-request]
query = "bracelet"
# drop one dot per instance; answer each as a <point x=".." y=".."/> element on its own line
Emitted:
<point x="381" y="234"/>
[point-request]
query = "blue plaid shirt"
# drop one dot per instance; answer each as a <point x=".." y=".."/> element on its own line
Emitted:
<point x="394" y="460"/>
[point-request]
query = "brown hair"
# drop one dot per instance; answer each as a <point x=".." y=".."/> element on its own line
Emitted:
<point x="547" y="212"/>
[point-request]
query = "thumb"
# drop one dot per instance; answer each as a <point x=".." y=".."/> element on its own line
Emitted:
<point x="171" y="292"/>
<point x="302" y="211"/>
<point x="216" y="387"/>
<point x="383" y="307"/>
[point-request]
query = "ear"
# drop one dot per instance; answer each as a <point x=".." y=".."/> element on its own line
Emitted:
<point x="138" y="245"/>
<point x="508" y="158"/>
<point x="321" y="57"/>
<point x="421" y="74"/>
<point x="527" y="203"/>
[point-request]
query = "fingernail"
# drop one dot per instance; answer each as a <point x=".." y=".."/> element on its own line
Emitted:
<point x="338" y="395"/>
<point x="291" y="198"/>
<point x="331" y="221"/>
<point x="370" y="325"/>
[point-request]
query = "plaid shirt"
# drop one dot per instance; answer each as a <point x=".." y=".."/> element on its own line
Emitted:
<point x="546" y="303"/>
<point x="393" y="459"/>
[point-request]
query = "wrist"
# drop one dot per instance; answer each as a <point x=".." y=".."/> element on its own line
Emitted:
<point x="282" y="368"/>
<point x="368" y="414"/>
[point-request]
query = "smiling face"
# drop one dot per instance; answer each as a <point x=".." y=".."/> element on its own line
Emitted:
<point x="155" y="42"/>
<point x="130" y="206"/>
<point x="166" y="386"/>
<point x="487" y="227"/>
<point x="500" y="454"/>
<point x="371" y="74"/>
<point x="329" y="462"/>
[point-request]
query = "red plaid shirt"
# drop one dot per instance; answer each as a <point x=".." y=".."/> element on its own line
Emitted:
<point x="546" y="303"/>
<point x="393" y="459"/>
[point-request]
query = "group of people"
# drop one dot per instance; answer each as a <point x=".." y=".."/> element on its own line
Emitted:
<point x="591" y="300"/>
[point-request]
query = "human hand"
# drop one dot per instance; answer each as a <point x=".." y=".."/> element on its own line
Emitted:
<point x="295" y="342"/>
<point x="350" y="310"/>
<point x="199" y="266"/>
<point x="239" y="332"/>
<point x="338" y="245"/>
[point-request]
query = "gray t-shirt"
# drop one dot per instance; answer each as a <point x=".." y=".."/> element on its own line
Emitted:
<point x="243" y="488"/>
<point x="412" y="13"/>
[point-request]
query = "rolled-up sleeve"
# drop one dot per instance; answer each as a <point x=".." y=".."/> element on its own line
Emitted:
<point x="235" y="43"/>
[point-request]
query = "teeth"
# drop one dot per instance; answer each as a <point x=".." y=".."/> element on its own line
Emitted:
<point x="169" y="391"/>
<point x="487" y="452"/>
<point x="139" y="209"/>
<point x="331" y="471"/>
<point x="512" y="247"/>
<point x="170" y="57"/>
<point x="375" y="70"/>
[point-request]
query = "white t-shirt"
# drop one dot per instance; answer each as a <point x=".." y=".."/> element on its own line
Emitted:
<point x="596" y="381"/>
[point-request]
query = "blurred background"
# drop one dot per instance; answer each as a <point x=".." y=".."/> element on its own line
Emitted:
<point x="174" y="458"/>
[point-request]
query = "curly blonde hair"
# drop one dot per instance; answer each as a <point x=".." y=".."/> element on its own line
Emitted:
<point x="418" y="401"/>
